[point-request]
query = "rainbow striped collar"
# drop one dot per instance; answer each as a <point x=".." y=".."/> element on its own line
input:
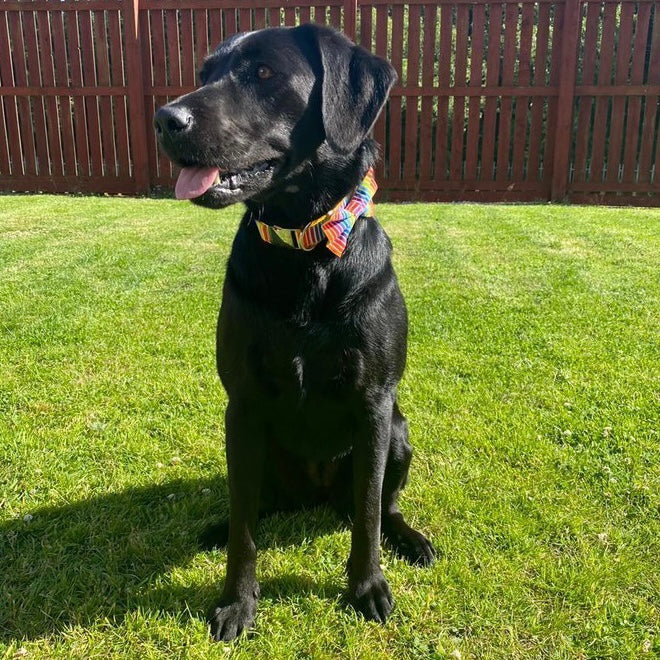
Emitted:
<point x="334" y="226"/>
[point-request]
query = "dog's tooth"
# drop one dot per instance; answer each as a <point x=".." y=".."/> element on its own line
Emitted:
<point x="216" y="181"/>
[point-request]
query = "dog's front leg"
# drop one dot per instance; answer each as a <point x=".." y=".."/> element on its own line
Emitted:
<point x="368" y="589"/>
<point x="245" y="456"/>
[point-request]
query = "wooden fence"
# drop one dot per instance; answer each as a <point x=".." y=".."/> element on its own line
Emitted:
<point x="496" y="100"/>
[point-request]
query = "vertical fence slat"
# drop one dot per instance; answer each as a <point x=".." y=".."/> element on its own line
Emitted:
<point x="61" y="71"/>
<point x="506" y="104"/>
<point x="631" y="142"/>
<point x="460" y="75"/>
<point x="201" y="40"/>
<point x="33" y="69"/>
<point x="105" y="102"/>
<point x="624" y="44"/>
<point x="136" y="81"/>
<point x="652" y="102"/>
<point x="28" y="147"/>
<point x="522" y="102"/>
<point x="534" y="163"/>
<point x="490" y="105"/>
<point x="91" y="102"/>
<point x="444" y="78"/>
<point x="412" y="81"/>
<point x="119" y="103"/>
<point x="426" y="132"/>
<point x="565" y="101"/>
<point x="474" y="103"/>
<point x="589" y="53"/>
<point x="50" y="102"/>
<point x="10" y="162"/>
<point x="380" y="130"/>
<point x="396" y="102"/>
<point x="559" y="40"/>
<point x="600" y="123"/>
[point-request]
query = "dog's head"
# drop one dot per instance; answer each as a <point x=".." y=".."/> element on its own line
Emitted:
<point x="269" y="99"/>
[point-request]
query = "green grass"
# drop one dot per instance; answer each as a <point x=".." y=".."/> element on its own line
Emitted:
<point x="532" y="395"/>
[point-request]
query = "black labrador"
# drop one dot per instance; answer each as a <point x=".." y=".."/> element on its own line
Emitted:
<point x="310" y="345"/>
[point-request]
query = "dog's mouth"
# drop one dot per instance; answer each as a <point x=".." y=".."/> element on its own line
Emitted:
<point x="197" y="182"/>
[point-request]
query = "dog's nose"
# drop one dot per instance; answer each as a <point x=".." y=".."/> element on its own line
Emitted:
<point x="172" y="119"/>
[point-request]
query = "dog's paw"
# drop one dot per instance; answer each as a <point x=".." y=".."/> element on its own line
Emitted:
<point x="215" y="535"/>
<point x="411" y="545"/>
<point x="229" y="620"/>
<point x="372" y="598"/>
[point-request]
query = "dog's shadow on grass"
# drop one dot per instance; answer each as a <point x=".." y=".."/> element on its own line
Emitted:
<point x="105" y="557"/>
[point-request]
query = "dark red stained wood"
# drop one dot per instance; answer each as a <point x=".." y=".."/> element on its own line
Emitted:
<point x="27" y="148"/>
<point x="631" y="142"/>
<point x="350" y="19"/>
<point x="599" y="139"/>
<point x="50" y="102"/>
<point x="395" y="103"/>
<point x="214" y="26"/>
<point x="76" y="79"/>
<point x="231" y="27"/>
<point x="565" y="103"/>
<point x="646" y="150"/>
<point x="259" y="18"/>
<point x="589" y="52"/>
<point x="366" y="27"/>
<point x="335" y="17"/>
<point x="534" y="164"/>
<point x="441" y="164"/>
<point x="382" y="169"/>
<point x="163" y="167"/>
<point x="186" y="41"/>
<point x="134" y="48"/>
<point x="412" y="82"/>
<point x="172" y="47"/>
<point x="10" y="143"/>
<point x="492" y="76"/>
<point x="522" y="102"/>
<point x="119" y="103"/>
<point x="556" y="75"/>
<point x="506" y="104"/>
<point x="274" y="17"/>
<point x="290" y="16"/>
<point x="91" y="102"/>
<point x="460" y="76"/>
<point x="428" y="63"/>
<point x="105" y="102"/>
<point x="474" y="104"/>
<point x="200" y="38"/>
<point x="4" y="142"/>
<point x="624" y="48"/>
<point x="244" y="20"/>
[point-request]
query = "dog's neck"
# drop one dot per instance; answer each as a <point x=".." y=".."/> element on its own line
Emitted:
<point x="315" y="187"/>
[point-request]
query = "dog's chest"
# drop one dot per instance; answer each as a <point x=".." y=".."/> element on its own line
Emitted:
<point x="299" y="374"/>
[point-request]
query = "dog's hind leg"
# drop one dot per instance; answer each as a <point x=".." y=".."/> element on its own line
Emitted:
<point x="403" y="539"/>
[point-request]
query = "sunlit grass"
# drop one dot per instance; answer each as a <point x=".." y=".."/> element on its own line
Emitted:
<point x="532" y="396"/>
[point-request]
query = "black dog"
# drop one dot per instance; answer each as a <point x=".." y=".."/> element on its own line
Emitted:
<point x="310" y="345"/>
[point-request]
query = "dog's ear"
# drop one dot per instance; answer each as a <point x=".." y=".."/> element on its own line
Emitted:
<point x="355" y="88"/>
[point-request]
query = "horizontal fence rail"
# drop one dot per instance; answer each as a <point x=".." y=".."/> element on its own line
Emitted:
<point x="495" y="101"/>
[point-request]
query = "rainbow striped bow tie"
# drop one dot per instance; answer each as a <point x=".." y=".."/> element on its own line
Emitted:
<point x="334" y="226"/>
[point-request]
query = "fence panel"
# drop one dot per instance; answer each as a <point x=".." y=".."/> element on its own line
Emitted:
<point x="485" y="108"/>
<point x="63" y="115"/>
<point x="616" y="154"/>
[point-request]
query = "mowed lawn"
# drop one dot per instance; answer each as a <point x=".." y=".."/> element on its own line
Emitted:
<point x="532" y="391"/>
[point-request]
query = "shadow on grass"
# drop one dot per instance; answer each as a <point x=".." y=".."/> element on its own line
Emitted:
<point x="104" y="557"/>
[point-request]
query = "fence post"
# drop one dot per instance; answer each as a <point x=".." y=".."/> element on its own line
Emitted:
<point x="350" y="19"/>
<point x="136" y="108"/>
<point x="565" y="101"/>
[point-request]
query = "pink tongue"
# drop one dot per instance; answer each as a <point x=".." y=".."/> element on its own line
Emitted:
<point x="194" y="181"/>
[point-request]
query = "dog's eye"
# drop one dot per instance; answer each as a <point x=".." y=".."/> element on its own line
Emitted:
<point x="264" y="72"/>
